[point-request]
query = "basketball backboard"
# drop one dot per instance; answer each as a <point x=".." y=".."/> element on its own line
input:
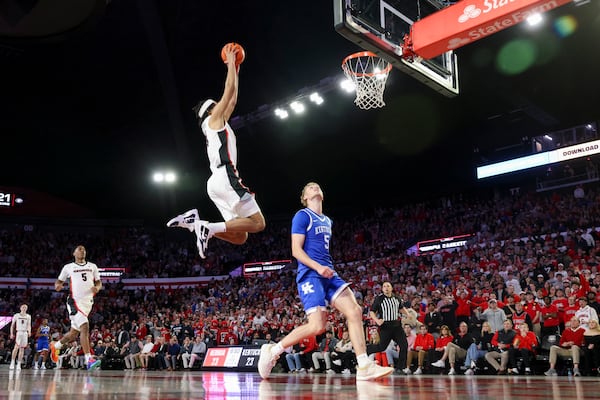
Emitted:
<point x="380" y="26"/>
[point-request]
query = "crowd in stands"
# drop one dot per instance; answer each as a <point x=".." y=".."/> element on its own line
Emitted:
<point x="526" y="248"/>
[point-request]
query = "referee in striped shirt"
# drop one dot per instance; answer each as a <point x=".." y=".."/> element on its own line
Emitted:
<point x="385" y="311"/>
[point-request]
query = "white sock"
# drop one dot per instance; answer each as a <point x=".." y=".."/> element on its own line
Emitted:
<point x="58" y="345"/>
<point x="276" y="350"/>
<point x="87" y="357"/>
<point x="217" y="227"/>
<point x="362" y="360"/>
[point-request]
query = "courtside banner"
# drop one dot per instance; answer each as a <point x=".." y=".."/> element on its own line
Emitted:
<point x="470" y="20"/>
<point x="239" y="358"/>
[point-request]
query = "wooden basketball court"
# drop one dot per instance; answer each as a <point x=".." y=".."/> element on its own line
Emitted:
<point x="62" y="384"/>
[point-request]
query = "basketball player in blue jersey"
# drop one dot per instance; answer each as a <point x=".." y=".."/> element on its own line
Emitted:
<point x="319" y="284"/>
<point x="42" y="345"/>
<point x="235" y="201"/>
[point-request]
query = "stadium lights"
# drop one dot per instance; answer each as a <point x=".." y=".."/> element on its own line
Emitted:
<point x="167" y="177"/>
<point x="548" y="137"/>
<point x="535" y="19"/>
<point x="316" y="98"/>
<point x="347" y="85"/>
<point x="300" y="103"/>
<point x="282" y="114"/>
<point x="297" y="107"/>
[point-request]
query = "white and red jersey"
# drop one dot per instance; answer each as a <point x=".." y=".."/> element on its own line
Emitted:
<point x="220" y="146"/>
<point x="585" y="314"/>
<point x="82" y="278"/>
<point x="21" y="323"/>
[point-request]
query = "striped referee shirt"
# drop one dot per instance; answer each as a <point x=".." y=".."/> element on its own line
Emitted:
<point x="388" y="308"/>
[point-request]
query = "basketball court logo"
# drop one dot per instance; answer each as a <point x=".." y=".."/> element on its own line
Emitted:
<point x="469" y="13"/>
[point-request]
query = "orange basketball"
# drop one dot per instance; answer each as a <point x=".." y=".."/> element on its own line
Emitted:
<point x="240" y="55"/>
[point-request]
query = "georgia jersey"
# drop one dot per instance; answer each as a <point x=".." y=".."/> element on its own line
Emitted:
<point x="82" y="278"/>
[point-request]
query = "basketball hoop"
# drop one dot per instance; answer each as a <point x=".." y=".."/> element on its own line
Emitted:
<point x="369" y="74"/>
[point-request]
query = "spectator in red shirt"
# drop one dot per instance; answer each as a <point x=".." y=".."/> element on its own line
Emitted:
<point x="524" y="345"/>
<point x="571" y="308"/>
<point x="463" y="301"/>
<point x="550" y="321"/>
<point x="561" y="303"/>
<point x="424" y="342"/>
<point x="582" y="287"/>
<point x="570" y="345"/>
<point x="441" y="343"/>
<point x="532" y="308"/>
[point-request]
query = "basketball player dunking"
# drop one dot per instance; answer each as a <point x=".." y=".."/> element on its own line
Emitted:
<point x="235" y="201"/>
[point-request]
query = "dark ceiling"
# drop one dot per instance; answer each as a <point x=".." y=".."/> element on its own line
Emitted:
<point x="89" y="111"/>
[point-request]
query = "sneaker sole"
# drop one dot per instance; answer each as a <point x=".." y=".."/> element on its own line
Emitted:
<point x="94" y="366"/>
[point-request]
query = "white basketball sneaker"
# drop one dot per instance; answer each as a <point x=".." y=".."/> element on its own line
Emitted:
<point x="372" y="371"/>
<point x="185" y="220"/>
<point x="202" y="236"/>
<point x="266" y="361"/>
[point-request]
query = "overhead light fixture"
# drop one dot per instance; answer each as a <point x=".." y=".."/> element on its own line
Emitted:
<point x="164" y="177"/>
<point x="170" y="177"/>
<point x="547" y="137"/>
<point x="316" y="98"/>
<point x="535" y="19"/>
<point x="282" y="114"/>
<point x="348" y="85"/>
<point x="158" y="177"/>
<point x="297" y="107"/>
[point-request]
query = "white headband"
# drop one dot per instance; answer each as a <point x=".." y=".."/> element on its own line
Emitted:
<point x="205" y="106"/>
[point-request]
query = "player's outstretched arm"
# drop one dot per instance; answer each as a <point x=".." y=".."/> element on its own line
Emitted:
<point x="225" y="106"/>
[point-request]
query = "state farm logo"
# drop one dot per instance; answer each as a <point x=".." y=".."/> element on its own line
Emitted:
<point x="471" y="12"/>
<point x="468" y="13"/>
<point x="489" y="26"/>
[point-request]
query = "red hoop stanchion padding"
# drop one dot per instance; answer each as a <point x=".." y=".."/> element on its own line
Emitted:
<point x="369" y="73"/>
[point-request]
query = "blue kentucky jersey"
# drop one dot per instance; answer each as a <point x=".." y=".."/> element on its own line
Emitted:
<point x="44" y="339"/>
<point x="317" y="231"/>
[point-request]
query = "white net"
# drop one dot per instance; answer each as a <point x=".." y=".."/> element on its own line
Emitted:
<point x="369" y="74"/>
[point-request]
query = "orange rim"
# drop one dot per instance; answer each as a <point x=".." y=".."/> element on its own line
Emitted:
<point x="359" y="54"/>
